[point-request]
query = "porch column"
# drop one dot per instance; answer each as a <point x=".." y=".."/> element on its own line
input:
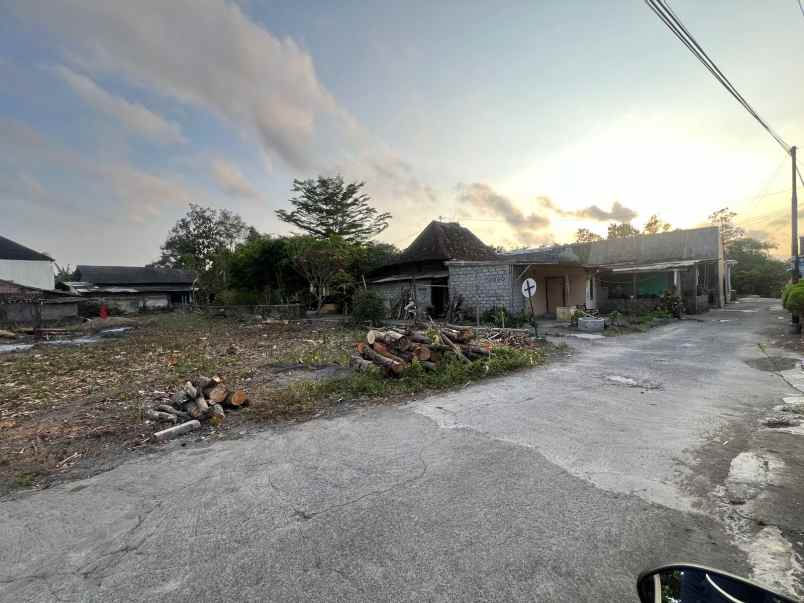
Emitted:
<point x="634" y="285"/>
<point x="676" y="282"/>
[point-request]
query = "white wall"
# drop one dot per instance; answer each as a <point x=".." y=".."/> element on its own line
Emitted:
<point x="31" y="273"/>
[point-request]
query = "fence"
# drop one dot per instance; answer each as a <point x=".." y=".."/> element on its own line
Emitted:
<point x="277" y="311"/>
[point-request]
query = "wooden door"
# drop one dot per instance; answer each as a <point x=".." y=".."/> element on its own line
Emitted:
<point x="554" y="289"/>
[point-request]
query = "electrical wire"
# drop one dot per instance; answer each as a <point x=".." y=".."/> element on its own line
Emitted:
<point x="801" y="7"/>
<point x="674" y="24"/>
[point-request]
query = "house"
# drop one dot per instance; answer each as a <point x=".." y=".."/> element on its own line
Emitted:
<point x="132" y="288"/>
<point x="627" y="274"/>
<point x="421" y="269"/>
<point x="25" y="305"/>
<point x="25" y="266"/>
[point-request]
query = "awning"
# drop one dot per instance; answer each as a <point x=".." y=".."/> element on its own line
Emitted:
<point x="660" y="267"/>
<point x="410" y="277"/>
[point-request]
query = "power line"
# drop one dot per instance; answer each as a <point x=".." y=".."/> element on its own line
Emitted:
<point x="801" y="7"/>
<point x="674" y="24"/>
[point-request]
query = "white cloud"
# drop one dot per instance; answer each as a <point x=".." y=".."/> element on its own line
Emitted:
<point x="134" y="116"/>
<point x="204" y="53"/>
<point x="231" y="180"/>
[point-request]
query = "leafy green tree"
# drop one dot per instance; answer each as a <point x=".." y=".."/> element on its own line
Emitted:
<point x="584" y="235"/>
<point x="756" y="273"/>
<point x="264" y="265"/>
<point x="655" y="225"/>
<point x="622" y="231"/>
<point x="203" y="241"/>
<point x="327" y="207"/>
<point x="729" y="231"/>
<point x="324" y="263"/>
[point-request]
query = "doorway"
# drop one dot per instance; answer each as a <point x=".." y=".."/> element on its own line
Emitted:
<point x="555" y="293"/>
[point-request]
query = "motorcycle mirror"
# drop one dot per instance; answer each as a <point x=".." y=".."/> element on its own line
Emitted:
<point x="687" y="583"/>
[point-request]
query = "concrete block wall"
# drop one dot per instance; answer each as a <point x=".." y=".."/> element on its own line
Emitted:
<point x="482" y="286"/>
<point x="391" y="292"/>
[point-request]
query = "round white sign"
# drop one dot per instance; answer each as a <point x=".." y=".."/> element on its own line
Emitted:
<point x="528" y="287"/>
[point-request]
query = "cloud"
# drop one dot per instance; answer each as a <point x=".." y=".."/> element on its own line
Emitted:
<point x="134" y="116"/>
<point x="101" y="190"/>
<point x="618" y="213"/>
<point x="207" y="54"/>
<point x="231" y="180"/>
<point x="528" y="228"/>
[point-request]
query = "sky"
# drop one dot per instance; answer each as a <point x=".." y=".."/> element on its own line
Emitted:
<point x="523" y="121"/>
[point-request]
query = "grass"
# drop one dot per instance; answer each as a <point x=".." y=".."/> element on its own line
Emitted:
<point x="304" y="397"/>
<point x="623" y="324"/>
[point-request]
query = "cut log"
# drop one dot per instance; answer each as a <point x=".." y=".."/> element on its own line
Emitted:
<point x="430" y="366"/>
<point x="201" y="403"/>
<point x="361" y="364"/>
<point x="420" y="338"/>
<point x="216" y="414"/>
<point x="422" y="352"/>
<point x="203" y="383"/>
<point x="236" y="399"/>
<point x="155" y="415"/>
<point x="454" y="347"/>
<point x="190" y="390"/>
<point x="176" y="430"/>
<point x="388" y="363"/>
<point x="7" y="334"/>
<point x="180" y="398"/>
<point x="388" y="338"/>
<point x="383" y="349"/>
<point x="167" y="408"/>
<point x="476" y="349"/>
<point x="217" y="394"/>
<point x="194" y="411"/>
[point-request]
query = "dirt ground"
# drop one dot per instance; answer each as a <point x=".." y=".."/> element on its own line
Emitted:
<point x="69" y="410"/>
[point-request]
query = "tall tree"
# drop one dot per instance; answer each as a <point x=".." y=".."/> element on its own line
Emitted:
<point x="655" y="225"/>
<point x="584" y="235"/>
<point x="327" y="207"/>
<point x="729" y="231"/>
<point x="621" y="231"/>
<point x="756" y="273"/>
<point x="202" y="241"/>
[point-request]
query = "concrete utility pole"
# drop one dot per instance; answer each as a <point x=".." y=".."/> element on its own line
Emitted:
<point x="794" y="208"/>
<point x="796" y="320"/>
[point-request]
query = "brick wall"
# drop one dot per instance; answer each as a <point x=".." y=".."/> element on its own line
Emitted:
<point x="482" y="286"/>
<point x="391" y="292"/>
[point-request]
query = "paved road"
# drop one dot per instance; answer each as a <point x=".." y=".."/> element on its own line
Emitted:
<point x="557" y="484"/>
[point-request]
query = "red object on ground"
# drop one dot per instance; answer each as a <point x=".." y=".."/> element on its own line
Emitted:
<point x="104" y="312"/>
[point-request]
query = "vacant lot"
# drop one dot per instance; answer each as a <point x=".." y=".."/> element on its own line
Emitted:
<point x="73" y="410"/>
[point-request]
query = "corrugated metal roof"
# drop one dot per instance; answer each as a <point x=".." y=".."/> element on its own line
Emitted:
<point x="132" y="275"/>
<point x="408" y="277"/>
<point x="10" y="250"/>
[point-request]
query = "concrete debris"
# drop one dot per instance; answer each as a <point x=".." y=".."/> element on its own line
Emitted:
<point x="781" y="421"/>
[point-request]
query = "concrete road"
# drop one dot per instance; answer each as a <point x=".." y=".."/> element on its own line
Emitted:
<point x="556" y="484"/>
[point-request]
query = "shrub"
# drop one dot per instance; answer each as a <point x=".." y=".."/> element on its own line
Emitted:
<point x="500" y="317"/>
<point x="793" y="298"/>
<point x="368" y="306"/>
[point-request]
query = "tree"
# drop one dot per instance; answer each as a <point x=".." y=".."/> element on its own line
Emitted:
<point x="326" y="207"/>
<point x="324" y="263"/>
<point x="203" y="241"/>
<point x="729" y="231"/>
<point x="584" y="235"/>
<point x="655" y="225"/>
<point x="64" y="273"/>
<point x="263" y="264"/>
<point x="756" y="273"/>
<point x="621" y="231"/>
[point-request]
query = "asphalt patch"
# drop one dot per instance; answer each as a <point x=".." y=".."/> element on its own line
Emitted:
<point x="772" y="364"/>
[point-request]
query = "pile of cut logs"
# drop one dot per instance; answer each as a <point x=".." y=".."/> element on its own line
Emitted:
<point x="202" y="398"/>
<point x="391" y="350"/>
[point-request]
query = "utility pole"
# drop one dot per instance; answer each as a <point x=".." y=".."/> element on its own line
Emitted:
<point x="796" y="320"/>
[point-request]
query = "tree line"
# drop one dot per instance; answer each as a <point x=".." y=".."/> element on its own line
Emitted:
<point x="236" y="264"/>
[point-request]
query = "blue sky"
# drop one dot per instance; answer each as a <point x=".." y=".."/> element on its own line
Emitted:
<point x="524" y="121"/>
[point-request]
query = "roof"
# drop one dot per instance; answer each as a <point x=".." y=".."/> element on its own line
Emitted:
<point x="132" y="275"/>
<point x="409" y="277"/>
<point x="697" y="244"/>
<point x="9" y="250"/>
<point x="83" y="288"/>
<point x="14" y="292"/>
<point x="446" y="241"/>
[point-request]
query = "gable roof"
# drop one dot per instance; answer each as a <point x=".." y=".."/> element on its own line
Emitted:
<point x="9" y="250"/>
<point x="678" y="245"/>
<point x="446" y="241"/>
<point x="132" y="275"/>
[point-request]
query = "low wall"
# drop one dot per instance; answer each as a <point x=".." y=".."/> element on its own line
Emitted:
<point x="630" y="306"/>
<point x="25" y="313"/>
<point x="276" y="311"/>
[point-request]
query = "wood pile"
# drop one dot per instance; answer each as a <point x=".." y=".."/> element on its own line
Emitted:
<point x="202" y="399"/>
<point x="391" y="350"/>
